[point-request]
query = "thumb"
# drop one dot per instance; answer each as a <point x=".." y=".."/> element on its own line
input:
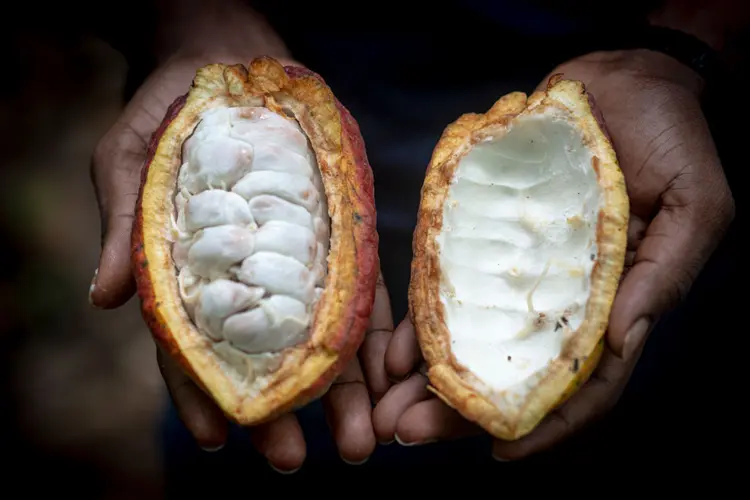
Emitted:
<point x="675" y="246"/>
<point x="115" y="170"/>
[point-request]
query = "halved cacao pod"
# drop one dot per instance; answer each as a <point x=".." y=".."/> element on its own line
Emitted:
<point x="254" y="244"/>
<point x="518" y="253"/>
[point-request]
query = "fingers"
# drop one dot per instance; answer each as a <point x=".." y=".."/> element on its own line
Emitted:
<point x="116" y="174"/>
<point x="695" y="210"/>
<point x="347" y="403"/>
<point x="669" y="258"/>
<point x="281" y="442"/>
<point x="595" y="398"/>
<point x="198" y="412"/>
<point x="412" y="415"/>
<point x="430" y="421"/>
<point x="395" y="403"/>
<point x="349" y="413"/>
<point x="403" y="354"/>
<point x="377" y="338"/>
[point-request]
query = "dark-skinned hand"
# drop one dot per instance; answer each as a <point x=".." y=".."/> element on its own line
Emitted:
<point x="116" y="173"/>
<point x="681" y="207"/>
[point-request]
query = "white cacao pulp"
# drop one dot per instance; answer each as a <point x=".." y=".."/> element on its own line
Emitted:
<point x="517" y="248"/>
<point x="252" y="229"/>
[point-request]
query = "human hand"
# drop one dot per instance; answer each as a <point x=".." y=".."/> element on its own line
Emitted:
<point x="116" y="173"/>
<point x="681" y="207"/>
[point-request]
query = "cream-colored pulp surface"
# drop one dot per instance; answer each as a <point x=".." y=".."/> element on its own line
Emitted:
<point x="517" y="249"/>
<point x="252" y="229"/>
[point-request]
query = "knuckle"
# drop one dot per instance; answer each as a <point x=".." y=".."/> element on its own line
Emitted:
<point x="125" y="218"/>
<point x="101" y="151"/>
<point x="607" y="404"/>
<point x="682" y="282"/>
<point x="727" y="209"/>
<point x="719" y="204"/>
<point x="104" y="149"/>
<point x="117" y="149"/>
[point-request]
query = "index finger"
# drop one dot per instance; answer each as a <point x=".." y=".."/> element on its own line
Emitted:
<point x="349" y="414"/>
<point x="115" y="172"/>
<point x="198" y="412"/>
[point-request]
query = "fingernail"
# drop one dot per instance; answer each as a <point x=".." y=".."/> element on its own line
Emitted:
<point x="284" y="472"/>
<point x="385" y="443"/>
<point x="500" y="459"/>
<point x="416" y="443"/>
<point x="212" y="449"/>
<point x="635" y="337"/>
<point x="361" y="462"/>
<point x="92" y="287"/>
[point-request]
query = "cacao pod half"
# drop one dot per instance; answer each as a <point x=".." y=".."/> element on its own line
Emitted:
<point x="254" y="244"/>
<point x="518" y="252"/>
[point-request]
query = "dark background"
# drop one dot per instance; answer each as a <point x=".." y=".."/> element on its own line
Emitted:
<point x="81" y="392"/>
<point x="82" y="399"/>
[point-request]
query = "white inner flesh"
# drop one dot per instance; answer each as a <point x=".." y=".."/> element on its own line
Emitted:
<point x="252" y="229"/>
<point x="517" y="249"/>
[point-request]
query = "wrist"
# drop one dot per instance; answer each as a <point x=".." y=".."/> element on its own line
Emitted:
<point x="717" y="23"/>
<point x="703" y="24"/>
<point x="221" y="31"/>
